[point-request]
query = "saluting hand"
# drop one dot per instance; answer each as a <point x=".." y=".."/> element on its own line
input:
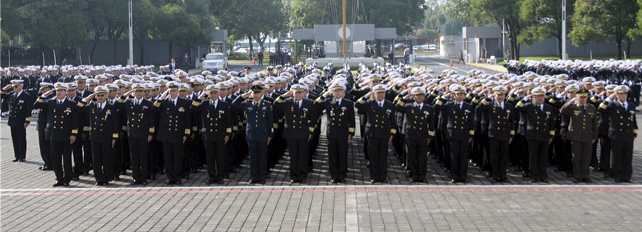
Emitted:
<point x="164" y="94"/>
<point x="202" y="95"/>
<point x="288" y="94"/>
<point x="247" y="94"/>
<point x="48" y="93"/>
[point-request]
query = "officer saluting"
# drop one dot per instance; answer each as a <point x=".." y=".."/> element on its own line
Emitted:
<point x="540" y="130"/>
<point x="419" y="129"/>
<point x="174" y="129"/>
<point x="460" y="129"/>
<point x="259" y="129"/>
<point x="300" y="122"/>
<point x="103" y="132"/>
<point x="380" y="130"/>
<point x="20" y="104"/>
<point x="216" y="127"/>
<point x="501" y="130"/>
<point x="340" y="129"/>
<point x="44" y="143"/>
<point x="622" y="131"/>
<point x="62" y="129"/>
<point x="582" y="132"/>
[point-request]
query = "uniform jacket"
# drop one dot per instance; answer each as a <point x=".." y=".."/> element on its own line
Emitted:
<point x="259" y="116"/>
<point x="299" y="122"/>
<point x="381" y="120"/>
<point x="540" y="125"/>
<point x="624" y="126"/>
<point x="140" y="121"/>
<point x="583" y="122"/>
<point x="20" y="108"/>
<point x="459" y="121"/>
<point x="501" y="122"/>
<point x="340" y="121"/>
<point x="174" y="120"/>
<point x="62" y="120"/>
<point x="215" y="121"/>
<point x="103" y="123"/>
<point x="418" y="123"/>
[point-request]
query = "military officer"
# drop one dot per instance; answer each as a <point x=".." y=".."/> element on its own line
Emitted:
<point x="380" y="130"/>
<point x="501" y="130"/>
<point x="259" y="129"/>
<point x="140" y="130"/>
<point x="103" y="132"/>
<point x="20" y="103"/>
<point x="419" y="129"/>
<point x="299" y="126"/>
<point x="582" y="132"/>
<point x="174" y="129"/>
<point x="459" y="118"/>
<point x="216" y="127"/>
<point x="62" y="130"/>
<point x="540" y="131"/>
<point x="340" y="128"/>
<point x="43" y="141"/>
<point x="623" y="130"/>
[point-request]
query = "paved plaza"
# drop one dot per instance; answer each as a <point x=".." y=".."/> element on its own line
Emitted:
<point x="30" y="203"/>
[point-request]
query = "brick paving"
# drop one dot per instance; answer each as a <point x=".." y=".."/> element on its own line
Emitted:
<point x="29" y="203"/>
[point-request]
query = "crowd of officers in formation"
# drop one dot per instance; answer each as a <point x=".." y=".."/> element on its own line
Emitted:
<point x="110" y="119"/>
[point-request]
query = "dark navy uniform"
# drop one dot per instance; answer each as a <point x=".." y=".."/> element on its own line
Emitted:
<point x="20" y="105"/>
<point x="215" y="123"/>
<point x="540" y="129"/>
<point x="300" y="123"/>
<point x="622" y="132"/>
<point x="501" y="129"/>
<point x="459" y="120"/>
<point x="380" y="126"/>
<point x="175" y="123"/>
<point x="340" y="125"/>
<point x="140" y="125"/>
<point x="259" y="128"/>
<point x="104" y="128"/>
<point x="418" y="127"/>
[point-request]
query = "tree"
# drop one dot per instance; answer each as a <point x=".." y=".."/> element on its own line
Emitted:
<point x="543" y="20"/>
<point x="611" y="19"/>
<point x="143" y="14"/>
<point x="176" y="26"/>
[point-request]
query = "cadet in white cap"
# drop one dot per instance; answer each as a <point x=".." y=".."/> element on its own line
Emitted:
<point x="501" y="131"/>
<point x="623" y="130"/>
<point x="20" y="105"/>
<point x="540" y="131"/>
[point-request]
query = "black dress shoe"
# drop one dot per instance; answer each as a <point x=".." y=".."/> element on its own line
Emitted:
<point x="75" y="178"/>
<point x="372" y="181"/>
<point x="367" y="163"/>
<point x="533" y="181"/>
<point x="575" y="180"/>
<point x="22" y="160"/>
<point x="292" y="181"/>
<point x="384" y="181"/>
<point x="412" y="180"/>
<point x="99" y="183"/>
<point x="262" y="181"/>
<point x="607" y="175"/>
<point x="303" y="181"/>
<point x="493" y="181"/>
<point x="466" y="181"/>
<point x="57" y="183"/>
<point x="628" y="181"/>
<point x="85" y="173"/>
<point x="208" y="182"/>
<point x="134" y="182"/>
<point x="569" y="174"/>
<point x="116" y="178"/>
<point x="143" y="182"/>
<point x="453" y="181"/>
<point x="544" y="180"/>
<point x="123" y="172"/>
<point x="333" y="181"/>
<point x="153" y="177"/>
<point x="65" y="185"/>
<point x="618" y="181"/>
<point x="587" y="180"/>
<point x="194" y="170"/>
<point x="251" y="182"/>
<point x="221" y="182"/>
<point x="178" y="182"/>
<point x="506" y="181"/>
<point x="41" y="167"/>
<point x="15" y="160"/>
<point x="169" y="182"/>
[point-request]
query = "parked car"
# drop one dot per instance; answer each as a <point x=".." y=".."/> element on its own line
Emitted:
<point x="214" y="62"/>
<point x="242" y="50"/>
<point x="432" y="47"/>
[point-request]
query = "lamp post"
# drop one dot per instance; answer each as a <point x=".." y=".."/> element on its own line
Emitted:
<point x="131" y="36"/>
<point x="564" y="30"/>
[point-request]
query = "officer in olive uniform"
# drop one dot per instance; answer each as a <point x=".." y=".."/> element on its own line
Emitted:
<point x="20" y="103"/>
<point x="174" y="129"/>
<point x="582" y="132"/>
<point x="379" y="131"/>
<point x="299" y="126"/>
<point x="62" y="131"/>
<point x="259" y="129"/>
<point x="103" y="132"/>
<point x="340" y="128"/>
<point x="622" y="132"/>
<point x="540" y="131"/>
<point x="419" y="129"/>
<point x="501" y="130"/>
<point x="140" y="130"/>
<point x="459" y="118"/>
<point x="216" y="127"/>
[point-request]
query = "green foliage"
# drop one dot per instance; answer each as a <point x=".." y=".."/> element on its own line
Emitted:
<point x="543" y="19"/>
<point x="175" y="25"/>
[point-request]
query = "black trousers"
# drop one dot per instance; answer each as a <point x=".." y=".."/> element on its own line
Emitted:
<point x="458" y="159"/>
<point x="102" y="153"/>
<point x="19" y="138"/>
<point x="155" y="155"/>
<point x="87" y="151"/>
<point x="538" y="159"/>
<point x="173" y="153"/>
<point x="45" y="148"/>
<point x="582" y="152"/>
<point x="216" y="159"/>
<point x="76" y="149"/>
<point x="61" y="160"/>
<point x="299" y="157"/>
<point x="605" y="154"/>
<point x="260" y="61"/>
<point x="338" y="157"/>
<point x="622" y="159"/>
<point x="498" y="158"/>
<point x="417" y="158"/>
<point x="138" y="150"/>
<point x="378" y="151"/>
<point x="258" y="160"/>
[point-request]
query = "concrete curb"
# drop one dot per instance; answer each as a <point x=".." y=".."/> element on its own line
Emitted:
<point x="497" y="69"/>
